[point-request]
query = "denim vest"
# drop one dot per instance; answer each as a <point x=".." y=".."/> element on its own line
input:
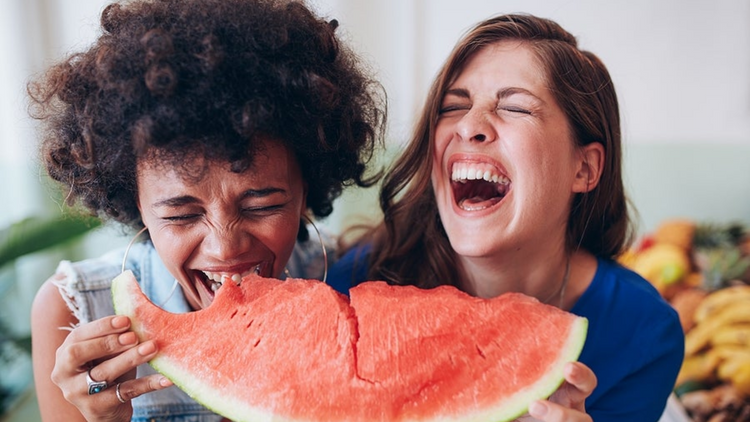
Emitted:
<point x="86" y="289"/>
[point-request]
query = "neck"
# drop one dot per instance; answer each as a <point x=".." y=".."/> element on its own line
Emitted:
<point x="545" y="278"/>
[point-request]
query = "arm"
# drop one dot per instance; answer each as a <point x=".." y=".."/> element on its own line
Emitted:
<point x="62" y="357"/>
<point x="48" y="313"/>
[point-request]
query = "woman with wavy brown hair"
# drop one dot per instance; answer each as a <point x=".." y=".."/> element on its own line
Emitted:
<point x="512" y="182"/>
<point x="216" y="127"/>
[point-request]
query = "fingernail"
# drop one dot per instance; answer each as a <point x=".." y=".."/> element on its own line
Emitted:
<point x="127" y="338"/>
<point x="537" y="409"/>
<point x="146" y="349"/>
<point x="120" y="322"/>
<point x="165" y="382"/>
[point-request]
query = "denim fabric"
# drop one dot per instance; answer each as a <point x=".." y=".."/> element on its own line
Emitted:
<point x="86" y="289"/>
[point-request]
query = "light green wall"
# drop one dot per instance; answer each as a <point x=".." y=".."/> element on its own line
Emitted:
<point x="706" y="182"/>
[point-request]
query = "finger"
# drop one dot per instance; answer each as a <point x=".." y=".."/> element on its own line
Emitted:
<point x="81" y="354"/>
<point x="582" y="379"/>
<point x="547" y="411"/>
<point x="137" y="387"/>
<point x="114" y="368"/>
<point x="99" y="328"/>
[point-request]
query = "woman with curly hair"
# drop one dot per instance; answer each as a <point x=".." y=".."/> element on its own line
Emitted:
<point x="214" y="126"/>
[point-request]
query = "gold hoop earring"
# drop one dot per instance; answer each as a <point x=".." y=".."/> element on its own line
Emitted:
<point x="322" y="247"/>
<point x="125" y="258"/>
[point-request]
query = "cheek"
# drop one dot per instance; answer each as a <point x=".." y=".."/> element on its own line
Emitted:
<point x="279" y="237"/>
<point x="173" y="249"/>
<point x="442" y="139"/>
<point x="439" y="147"/>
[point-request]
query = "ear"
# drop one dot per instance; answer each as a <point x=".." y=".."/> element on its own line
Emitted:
<point x="590" y="167"/>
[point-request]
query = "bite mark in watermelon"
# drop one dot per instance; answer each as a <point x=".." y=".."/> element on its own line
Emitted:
<point x="296" y="350"/>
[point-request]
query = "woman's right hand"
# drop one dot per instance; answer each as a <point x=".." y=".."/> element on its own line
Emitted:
<point x="105" y="350"/>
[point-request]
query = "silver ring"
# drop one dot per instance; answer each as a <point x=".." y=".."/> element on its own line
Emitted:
<point x="95" y="386"/>
<point x="117" y="392"/>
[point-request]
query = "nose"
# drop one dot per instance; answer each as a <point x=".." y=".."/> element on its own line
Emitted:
<point x="226" y="243"/>
<point x="475" y="126"/>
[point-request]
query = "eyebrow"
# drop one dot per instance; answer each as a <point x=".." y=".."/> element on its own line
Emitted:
<point x="502" y="93"/>
<point x="178" y="201"/>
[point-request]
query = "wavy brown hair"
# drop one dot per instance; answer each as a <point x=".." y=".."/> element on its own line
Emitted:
<point x="410" y="246"/>
<point x="210" y="77"/>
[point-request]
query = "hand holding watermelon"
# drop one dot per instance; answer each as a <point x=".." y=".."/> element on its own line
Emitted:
<point x="568" y="402"/>
<point x="105" y="351"/>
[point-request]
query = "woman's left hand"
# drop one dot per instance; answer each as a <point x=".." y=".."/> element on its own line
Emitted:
<point x="567" y="404"/>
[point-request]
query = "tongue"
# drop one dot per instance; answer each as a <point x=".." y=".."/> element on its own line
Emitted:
<point x="477" y="203"/>
<point x="477" y="195"/>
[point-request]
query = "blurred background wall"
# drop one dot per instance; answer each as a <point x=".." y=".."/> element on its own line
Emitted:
<point x="681" y="68"/>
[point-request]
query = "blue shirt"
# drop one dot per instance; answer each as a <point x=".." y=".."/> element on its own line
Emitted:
<point x="634" y="345"/>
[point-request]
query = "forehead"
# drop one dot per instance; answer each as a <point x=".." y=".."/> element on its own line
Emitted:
<point x="514" y="60"/>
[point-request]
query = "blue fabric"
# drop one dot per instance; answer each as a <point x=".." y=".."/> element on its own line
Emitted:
<point x="635" y="344"/>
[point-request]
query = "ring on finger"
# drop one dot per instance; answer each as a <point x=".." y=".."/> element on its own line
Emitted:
<point x="119" y="396"/>
<point x="95" y="386"/>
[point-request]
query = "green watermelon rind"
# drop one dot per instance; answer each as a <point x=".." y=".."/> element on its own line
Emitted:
<point x="517" y="405"/>
<point x="510" y="409"/>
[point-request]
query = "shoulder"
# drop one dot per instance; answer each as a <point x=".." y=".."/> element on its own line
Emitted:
<point x="85" y="285"/>
<point x="617" y="289"/>
<point x="621" y="301"/>
<point x="635" y="343"/>
<point x="48" y="308"/>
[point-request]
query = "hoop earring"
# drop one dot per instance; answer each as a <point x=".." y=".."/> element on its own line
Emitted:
<point x="127" y="250"/>
<point x="125" y="258"/>
<point x="322" y="247"/>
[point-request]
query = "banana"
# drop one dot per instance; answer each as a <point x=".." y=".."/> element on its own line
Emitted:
<point x="725" y="353"/>
<point x="733" y="313"/>
<point x="741" y="378"/>
<point x="717" y="300"/>
<point x="731" y="365"/>
<point x="737" y="334"/>
<point x="698" y="368"/>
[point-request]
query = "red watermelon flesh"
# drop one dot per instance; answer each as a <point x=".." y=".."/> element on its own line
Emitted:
<point x="296" y="350"/>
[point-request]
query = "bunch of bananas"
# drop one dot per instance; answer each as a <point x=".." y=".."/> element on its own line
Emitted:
<point x="715" y="375"/>
<point x="718" y="346"/>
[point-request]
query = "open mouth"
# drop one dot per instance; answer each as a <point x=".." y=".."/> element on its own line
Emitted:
<point x="477" y="186"/>
<point x="214" y="280"/>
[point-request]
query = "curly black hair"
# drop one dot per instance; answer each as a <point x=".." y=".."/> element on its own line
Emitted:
<point x="212" y="77"/>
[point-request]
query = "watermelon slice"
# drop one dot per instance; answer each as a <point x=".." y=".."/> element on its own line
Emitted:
<point x="296" y="350"/>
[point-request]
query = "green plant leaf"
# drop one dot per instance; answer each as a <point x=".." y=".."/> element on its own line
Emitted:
<point x="34" y="234"/>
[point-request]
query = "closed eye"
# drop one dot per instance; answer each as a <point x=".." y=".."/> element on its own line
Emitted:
<point x="515" y="110"/>
<point x="453" y="110"/>
<point x="178" y="218"/>
<point x="262" y="210"/>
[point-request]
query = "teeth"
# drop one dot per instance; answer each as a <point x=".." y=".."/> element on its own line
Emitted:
<point x="473" y="171"/>
<point x="217" y="279"/>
